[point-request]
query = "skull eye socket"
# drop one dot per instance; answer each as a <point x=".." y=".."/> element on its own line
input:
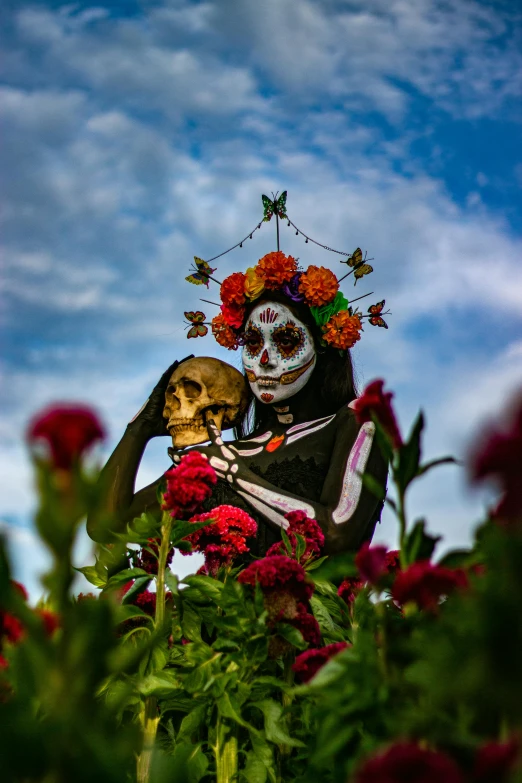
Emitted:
<point x="192" y="389"/>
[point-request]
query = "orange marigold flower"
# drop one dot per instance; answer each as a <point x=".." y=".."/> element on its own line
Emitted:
<point x="233" y="289"/>
<point x="223" y="334"/>
<point x="343" y="330"/>
<point x="319" y="285"/>
<point x="276" y="269"/>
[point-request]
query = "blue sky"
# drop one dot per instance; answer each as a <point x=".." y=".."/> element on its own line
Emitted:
<point x="136" y="135"/>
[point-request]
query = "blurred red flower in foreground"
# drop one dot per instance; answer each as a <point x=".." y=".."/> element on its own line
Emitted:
<point x="189" y="484"/>
<point x="495" y="761"/>
<point x="224" y="539"/>
<point x="308" y="663"/>
<point x="374" y="401"/>
<point x="300" y="524"/>
<point x="51" y="621"/>
<point x="498" y="454"/>
<point x="371" y="562"/>
<point x="11" y="629"/>
<point x="424" y="584"/>
<point x="406" y="761"/>
<point x="68" y="430"/>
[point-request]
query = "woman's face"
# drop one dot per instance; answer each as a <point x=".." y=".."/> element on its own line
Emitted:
<point x="279" y="354"/>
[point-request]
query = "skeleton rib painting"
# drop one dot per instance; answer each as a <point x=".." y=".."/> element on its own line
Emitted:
<point x="297" y="444"/>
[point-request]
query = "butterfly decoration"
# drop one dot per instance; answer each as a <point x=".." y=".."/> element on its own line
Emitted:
<point x="198" y="328"/>
<point x="358" y="264"/>
<point x="376" y="318"/>
<point x="201" y="274"/>
<point x="275" y="207"/>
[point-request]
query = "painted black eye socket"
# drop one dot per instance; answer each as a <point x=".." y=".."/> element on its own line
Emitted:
<point x="289" y="340"/>
<point x="253" y="340"/>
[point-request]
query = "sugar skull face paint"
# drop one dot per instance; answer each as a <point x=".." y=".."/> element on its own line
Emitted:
<point x="279" y="354"/>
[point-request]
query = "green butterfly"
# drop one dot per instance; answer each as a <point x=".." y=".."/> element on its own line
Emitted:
<point x="275" y="207"/>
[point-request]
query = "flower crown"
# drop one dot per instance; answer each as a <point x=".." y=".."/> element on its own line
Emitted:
<point x="317" y="287"/>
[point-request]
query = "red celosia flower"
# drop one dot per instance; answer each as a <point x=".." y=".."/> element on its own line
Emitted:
<point x="374" y="401"/>
<point x="223" y="539"/>
<point x="495" y="761"/>
<point x="371" y="562"/>
<point x="10" y="627"/>
<point x="146" y="601"/>
<point x="188" y="485"/>
<point x="393" y="562"/>
<point x="232" y="289"/>
<point x="349" y="588"/>
<point x="300" y="524"/>
<point x="21" y="589"/>
<point x="498" y="455"/>
<point x="50" y="620"/>
<point x="319" y="285"/>
<point x="68" y="430"/>
<point x="278" y="572"/>
<point x="307" y="624"/>
<point x="4" y="663"/>
<point x="148" y="560"/>
<point x="308" y="663"/>
<point x="223" y="333"/>
<point x="233" y="315"/>
<point x="406" y="761"/>
<point x="424" y="584"/>
<point x="275" y="269"/>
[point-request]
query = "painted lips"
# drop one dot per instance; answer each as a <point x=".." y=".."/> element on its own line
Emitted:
<point x="266" y="397"/>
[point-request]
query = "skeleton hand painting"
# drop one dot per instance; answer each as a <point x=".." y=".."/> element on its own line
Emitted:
<point x="297" y="447"/>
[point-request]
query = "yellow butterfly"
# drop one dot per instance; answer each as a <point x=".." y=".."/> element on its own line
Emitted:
<point x="200" y="275"/>
<point x="198" y="328"/>
<point x="358" y="264"/>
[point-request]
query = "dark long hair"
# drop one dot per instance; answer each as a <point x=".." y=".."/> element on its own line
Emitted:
<point x="331" y="385"/>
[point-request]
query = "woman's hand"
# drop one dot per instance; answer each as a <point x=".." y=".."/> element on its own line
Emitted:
<point x="149" y="420"/>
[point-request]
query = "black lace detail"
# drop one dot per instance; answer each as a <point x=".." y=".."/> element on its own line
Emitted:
<point x="300" y="477"/>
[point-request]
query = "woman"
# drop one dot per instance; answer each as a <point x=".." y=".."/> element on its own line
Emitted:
<point x="305" y="450"/>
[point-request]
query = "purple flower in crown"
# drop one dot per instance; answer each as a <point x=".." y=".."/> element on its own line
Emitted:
<point x="291" y="289"/>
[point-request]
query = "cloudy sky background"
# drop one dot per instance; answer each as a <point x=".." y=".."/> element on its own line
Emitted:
<point x="138" y="134"/>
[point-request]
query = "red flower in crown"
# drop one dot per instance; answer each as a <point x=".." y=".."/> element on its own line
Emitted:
<point x="374" y="401"/>
<point x="223" y="333"/>
<point x="68" y="431"/>
<point x="233" y="315"/>
<point x="233" y="289"/>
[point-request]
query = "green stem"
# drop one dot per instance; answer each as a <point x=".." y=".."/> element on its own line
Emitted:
<point x="164" y="549"/>
<point x="150" y="720"/>
<point x="225" y="752"/>
<point x="401" y="513"/>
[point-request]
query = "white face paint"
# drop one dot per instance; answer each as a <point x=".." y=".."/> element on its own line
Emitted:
<point x="279" y="354"/>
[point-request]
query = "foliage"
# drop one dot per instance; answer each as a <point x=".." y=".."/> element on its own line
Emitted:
<point x="417" y="673"/>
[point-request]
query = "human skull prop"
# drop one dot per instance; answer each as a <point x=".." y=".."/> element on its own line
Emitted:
<point x="198" y="387"/>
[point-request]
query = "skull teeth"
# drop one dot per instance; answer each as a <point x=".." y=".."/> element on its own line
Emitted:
<point x="178" y="425"/>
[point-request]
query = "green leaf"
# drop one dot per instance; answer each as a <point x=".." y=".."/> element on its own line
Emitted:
<point x="191" y="624"/>
<point x="119" y="579"/>
<point x="141" y="584"/>
<point x="458" y="558"/>
<point x="339" y="566"/>
<point x="229" y="709"/>
<point x="182" y="529"/>
<point x="409" y="455"/>
<point x="324" y="618"/>
<point x="92" y="576"/>
<point x="161" y="684"/>
<point x="209" y="587"/>
<point x="436" y="462"/>
<point x="275" y="727"/>
<point x="286" y="542"/>
<point x="191" y="723"/>
<point x="291" y="634"/>
<point x="313" y="564"/>
<point x="419" y="545"/>
<point x="300" y="547"/>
